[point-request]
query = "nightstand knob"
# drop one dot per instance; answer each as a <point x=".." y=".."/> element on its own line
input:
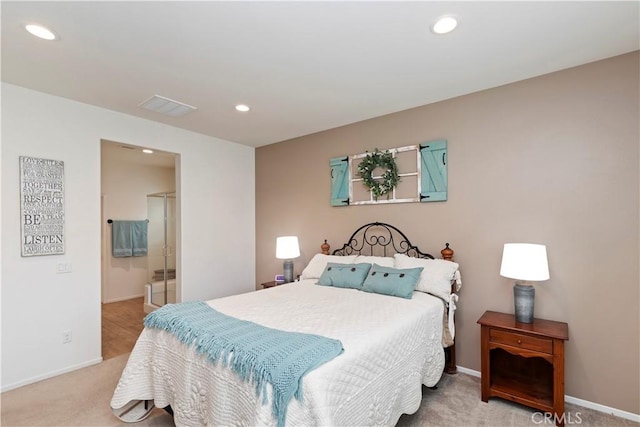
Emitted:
<point x="519" y="341"/>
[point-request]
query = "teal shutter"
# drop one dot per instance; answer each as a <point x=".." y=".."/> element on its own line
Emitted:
<point x="339" y="181"/>
<point x="433" y="174"/>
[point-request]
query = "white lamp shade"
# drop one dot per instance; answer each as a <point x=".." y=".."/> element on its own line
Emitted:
<point x="525" y="261"/>
<point x="287" y="247"/>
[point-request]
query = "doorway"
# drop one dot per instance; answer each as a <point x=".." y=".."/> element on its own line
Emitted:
<point x="128" y="177"/>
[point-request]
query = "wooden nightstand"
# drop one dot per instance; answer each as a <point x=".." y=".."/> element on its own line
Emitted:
<point x="524" y="362"/>
<point x="270" y="284"/>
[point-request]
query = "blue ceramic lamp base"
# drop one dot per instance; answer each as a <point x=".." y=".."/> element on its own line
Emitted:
<point x="523" y="297"/>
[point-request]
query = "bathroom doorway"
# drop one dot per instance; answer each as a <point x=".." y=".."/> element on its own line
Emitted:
<point x="128" y="177"/>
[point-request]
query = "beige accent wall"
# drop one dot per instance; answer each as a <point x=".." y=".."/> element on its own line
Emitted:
<point x="551" y="160"/>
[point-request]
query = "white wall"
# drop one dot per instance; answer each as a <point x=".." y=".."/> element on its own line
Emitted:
<point x="217" y="236"/>
<point x="125" y="186"/>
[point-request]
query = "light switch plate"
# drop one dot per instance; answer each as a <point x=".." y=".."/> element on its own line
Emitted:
<point x="64" y="267"/>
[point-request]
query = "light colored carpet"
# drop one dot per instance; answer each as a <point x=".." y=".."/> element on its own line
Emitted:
<point x="81" y="398"/>
<point x="457" y="402"/>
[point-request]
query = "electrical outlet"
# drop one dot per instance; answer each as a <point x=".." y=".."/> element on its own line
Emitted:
<point x="66" y="336"/>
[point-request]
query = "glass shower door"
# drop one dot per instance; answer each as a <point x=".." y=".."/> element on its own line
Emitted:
<point x="162" y="242"/>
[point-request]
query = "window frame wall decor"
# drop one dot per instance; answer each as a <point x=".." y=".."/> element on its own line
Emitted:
<point x="390" y="197"/>
<point x="430" y="175"/>
<point x="41" y="206"/>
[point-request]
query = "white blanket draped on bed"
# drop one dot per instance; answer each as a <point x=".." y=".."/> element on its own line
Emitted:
<point x="392" y="346"/>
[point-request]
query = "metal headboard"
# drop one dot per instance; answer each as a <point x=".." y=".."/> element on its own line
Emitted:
<point x="380" y="239"/>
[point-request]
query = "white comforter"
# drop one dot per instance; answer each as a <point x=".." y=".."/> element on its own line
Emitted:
<point x="391" y="347"/>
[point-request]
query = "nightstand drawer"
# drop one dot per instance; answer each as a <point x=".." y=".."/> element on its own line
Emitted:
<point x="521" y="341"/>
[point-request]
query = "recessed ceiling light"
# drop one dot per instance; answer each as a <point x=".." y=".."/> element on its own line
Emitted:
<point x="40" y="31"/>
<point x="242" y="108"/>
<point x="147" y="151"/>
<point x="444" y="25"/>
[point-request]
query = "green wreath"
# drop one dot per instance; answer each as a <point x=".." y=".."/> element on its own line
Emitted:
<point x="388" y="180"/>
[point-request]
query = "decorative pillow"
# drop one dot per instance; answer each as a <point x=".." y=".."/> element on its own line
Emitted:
<point x="316" y="266"/>
<point x="392" y="281"/>
<point x="435" y="278"/>
<point x="384" y="261"/>
<point x="344" y="275"/>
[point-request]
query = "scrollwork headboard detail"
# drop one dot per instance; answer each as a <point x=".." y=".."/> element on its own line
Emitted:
<point x="380" y="239"/>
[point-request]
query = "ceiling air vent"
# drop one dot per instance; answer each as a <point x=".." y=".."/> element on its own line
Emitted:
<point x="166" y="106"/>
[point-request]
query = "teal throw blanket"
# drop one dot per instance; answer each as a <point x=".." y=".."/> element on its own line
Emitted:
<point x="255" y="353"/>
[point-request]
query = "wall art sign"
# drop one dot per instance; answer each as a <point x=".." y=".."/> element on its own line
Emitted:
<point x="41" y="206"/>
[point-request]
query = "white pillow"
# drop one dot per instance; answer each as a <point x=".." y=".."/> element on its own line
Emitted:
<point x="316" y="266"/>
<point x="383" y="261"/>
<point x="436" y="277"/>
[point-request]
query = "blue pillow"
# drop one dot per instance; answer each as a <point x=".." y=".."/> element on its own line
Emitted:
<point x="344" y="275"/>
<point x="392" y="281"/>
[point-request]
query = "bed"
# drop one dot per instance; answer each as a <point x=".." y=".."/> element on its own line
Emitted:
<point x="391" y="345"/>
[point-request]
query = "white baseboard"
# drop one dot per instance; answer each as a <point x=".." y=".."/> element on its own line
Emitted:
<point x="468" y="371"/>
<point x="122" y="298"/>
<point x="601" y="408"/>
<point x="570" y="399"/>
<point x="50" y="375"/>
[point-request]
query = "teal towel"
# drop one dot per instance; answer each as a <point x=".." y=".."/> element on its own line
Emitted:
<point x="255" y="353"/>
<point x="129" y="238"/>
<point x="121" y="239"/>
<point x="139" y="238"/>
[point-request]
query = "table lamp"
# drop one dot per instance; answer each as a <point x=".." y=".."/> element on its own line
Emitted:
<point x="525" y="262"/>
<point x="287" y="248"/>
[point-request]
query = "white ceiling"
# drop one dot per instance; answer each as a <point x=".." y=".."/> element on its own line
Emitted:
<point x="303" y="67"/>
